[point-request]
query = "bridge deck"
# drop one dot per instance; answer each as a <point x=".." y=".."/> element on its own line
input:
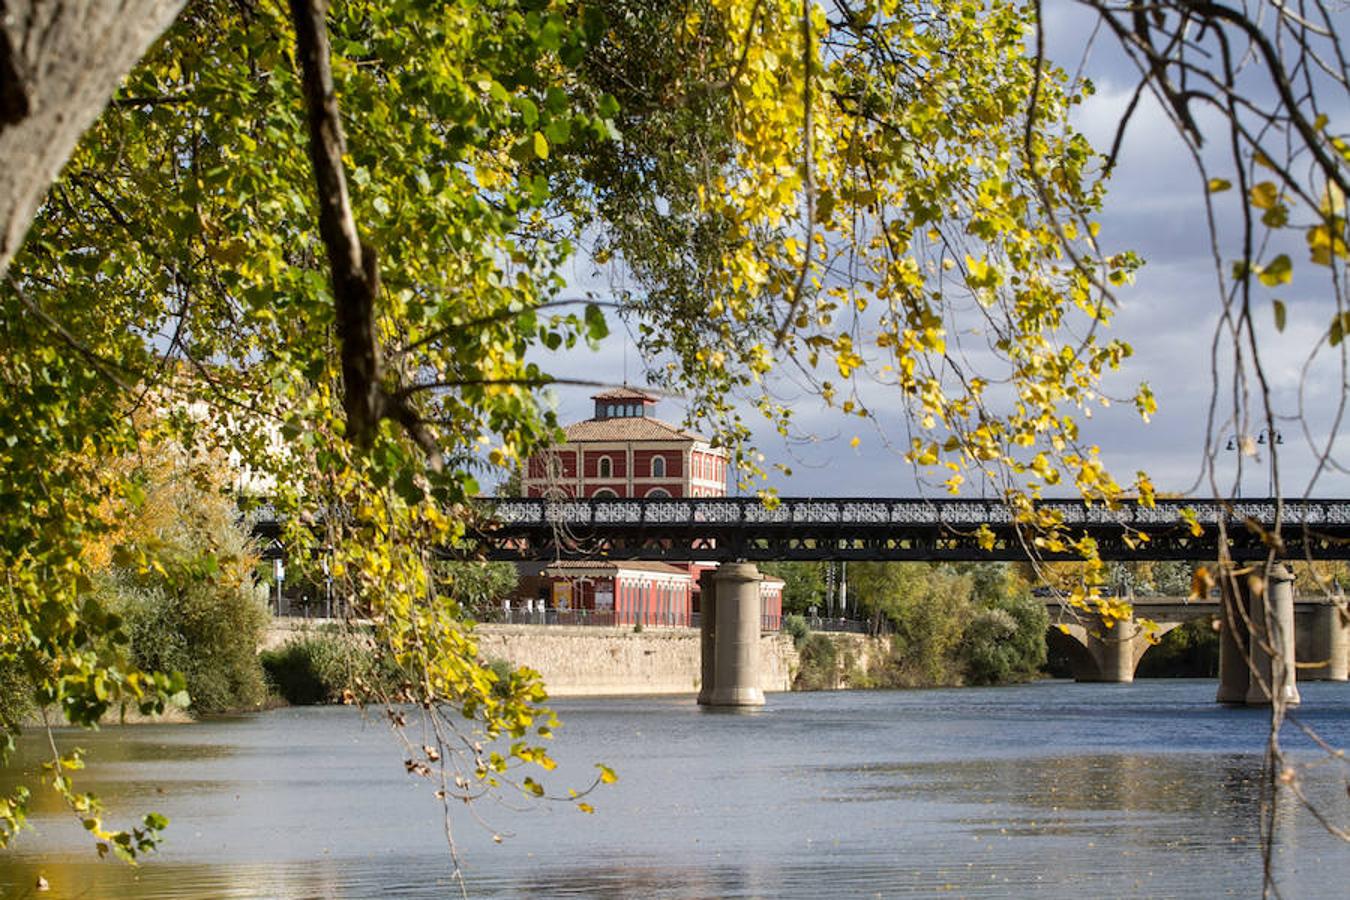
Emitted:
<point x="729" y="528"/>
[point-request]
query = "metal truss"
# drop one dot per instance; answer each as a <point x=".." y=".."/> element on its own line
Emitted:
<point x="729" y="528"/>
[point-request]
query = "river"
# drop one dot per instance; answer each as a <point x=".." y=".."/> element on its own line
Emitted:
<point x="1051" y="789"/>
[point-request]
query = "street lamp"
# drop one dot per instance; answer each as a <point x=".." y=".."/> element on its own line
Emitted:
<point x="1240" y="443"/>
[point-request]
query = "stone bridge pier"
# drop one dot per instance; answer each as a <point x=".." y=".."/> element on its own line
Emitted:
<point x="1101" y="652"/>
<point x="1257" y="640"/>
<point x="1269" y="642"/>
<point x="1322" y="639"/>
<point x="729" y="636"/>
<point x="1307" y="639"/>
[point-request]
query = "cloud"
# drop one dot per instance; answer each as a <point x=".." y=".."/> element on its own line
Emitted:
<point x="1171" y="316"/>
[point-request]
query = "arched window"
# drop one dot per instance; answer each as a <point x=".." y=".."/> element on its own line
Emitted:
<point x="604" y="494"/>
<point x="658" y="494"/>
<point x="658" y="467"/>
<point x="606" y="467"/>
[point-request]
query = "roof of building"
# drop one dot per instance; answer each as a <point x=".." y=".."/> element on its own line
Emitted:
<point x="566" y="567"/>
<point x="627" y="428"/>
<point x="626" y="393"/>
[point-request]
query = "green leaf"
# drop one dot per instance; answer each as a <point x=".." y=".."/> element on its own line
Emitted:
<point x="529" y="113"/>
<point x="1340" y="324"/>
<point x="540" y="146"/>
<point x="1279" y="315"/>
<point x="1276" y="217"/>
<point x="596" y="327"/>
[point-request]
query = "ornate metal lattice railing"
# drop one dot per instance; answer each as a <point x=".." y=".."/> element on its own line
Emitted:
<point x="899" y="528"/>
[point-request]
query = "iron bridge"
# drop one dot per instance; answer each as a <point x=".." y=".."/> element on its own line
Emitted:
<point x="814" y="528"/>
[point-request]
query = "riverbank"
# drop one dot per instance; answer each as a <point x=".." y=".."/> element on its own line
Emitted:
<point x="580" y="661"/>
<point x="590" y="661"/>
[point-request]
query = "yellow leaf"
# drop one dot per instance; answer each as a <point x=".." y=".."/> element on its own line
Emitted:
<point x="540" y="146"/>
<point x="1219" y="184"/>
<point x="586" y="808"/>
<point x="1277" y="272"/>
<point x="1265" y="195"/>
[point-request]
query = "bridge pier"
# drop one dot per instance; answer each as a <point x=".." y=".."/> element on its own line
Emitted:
<point x="1271" y="622"/>
<point x="1323" y="641"/>
<point x="733" y="639"/>
<point x="707" y="635"/>
<point x="1234" y="676"/>
<point x="1257" y="646"/>
<point x="1117" y="650"/>
<point x="1108" y="654"/>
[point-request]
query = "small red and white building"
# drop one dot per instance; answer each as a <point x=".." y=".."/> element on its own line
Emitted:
<point x="626" y="452"/>
<point x="622" y="593"/>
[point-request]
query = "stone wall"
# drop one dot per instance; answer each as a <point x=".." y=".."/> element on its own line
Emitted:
<point x="589" y="661"/>
<point x="859" y="660"/>
<point x="586" y="661"/>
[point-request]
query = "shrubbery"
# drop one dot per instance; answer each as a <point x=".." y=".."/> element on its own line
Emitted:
<point x="950" y="625"/>
<point x="1005" y="641"/>
<point x="16" y="693"/>
<point x="795" y="626"/>
<point x="818" y="658"/>
<point x="327" y="667"/>
<point x="181" y="578"/>
<point x="207" y="631"/>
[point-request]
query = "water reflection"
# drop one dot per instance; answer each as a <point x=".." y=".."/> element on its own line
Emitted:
<point x="1046" y="789"/>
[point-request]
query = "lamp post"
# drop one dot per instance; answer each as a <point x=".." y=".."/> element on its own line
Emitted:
<point x="1275" y="439"/>
<point x="279" y="574"/>
<point x="1240" y="442"/>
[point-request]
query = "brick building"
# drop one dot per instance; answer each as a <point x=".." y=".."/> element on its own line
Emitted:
<point x="625" y="451"/>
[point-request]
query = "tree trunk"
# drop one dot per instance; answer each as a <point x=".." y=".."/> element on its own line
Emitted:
<point x="60" y="62"/>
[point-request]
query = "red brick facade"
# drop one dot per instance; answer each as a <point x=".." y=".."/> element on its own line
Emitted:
<point x="624" y="452"/>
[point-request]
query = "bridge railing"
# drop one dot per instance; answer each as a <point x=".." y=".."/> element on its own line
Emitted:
<point x="884" y="512"/>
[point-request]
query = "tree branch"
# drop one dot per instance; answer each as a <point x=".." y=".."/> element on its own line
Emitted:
<point x="353" y="268"/>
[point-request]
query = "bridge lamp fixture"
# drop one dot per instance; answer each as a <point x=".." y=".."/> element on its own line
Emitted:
<point x="1247" y="446"/>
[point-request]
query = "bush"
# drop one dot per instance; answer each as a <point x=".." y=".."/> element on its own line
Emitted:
<point x="179" y="573"/>
<point x="321" y="667"/>
<point x="207" y="630"/>
<point x="304" y="672"/>
<point x="1005" y="641"/>
<point x="795" y="625"/>
<point x="16" y="690"/>
<point x="16" y="693"/>
<point x="819" y="660"/>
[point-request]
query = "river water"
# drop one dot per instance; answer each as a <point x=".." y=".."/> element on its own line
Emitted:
<point x="1051" y="789"/>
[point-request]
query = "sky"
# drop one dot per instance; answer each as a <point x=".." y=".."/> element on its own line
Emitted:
<point x="1169" y="316"/>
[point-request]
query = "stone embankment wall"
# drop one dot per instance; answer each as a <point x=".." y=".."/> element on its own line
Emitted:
<point x="284" y="629"/>
<point x="585" y="661"/>
<point x="860" y="661"/>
